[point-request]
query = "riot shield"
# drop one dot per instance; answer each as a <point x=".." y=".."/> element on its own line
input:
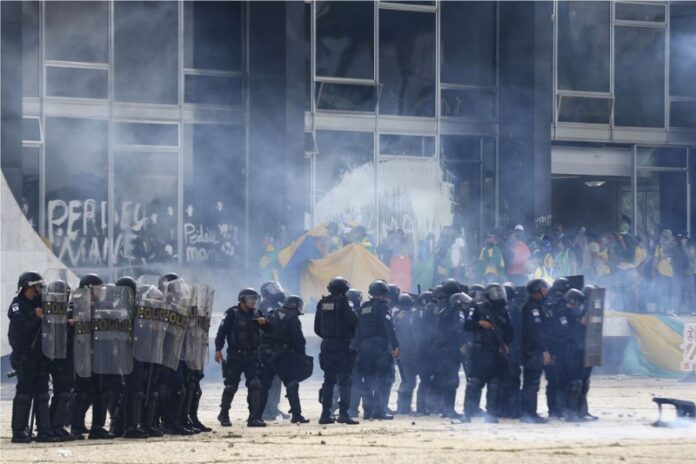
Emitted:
<point x="54" y="324"/>
<point x="593" y="330"/>
<point x="576" y="281"/>
<point x="112" y="329"/>
<point x="148" y="329"/>
<point x="188" y="349"/>
<point x="82" y="337"/>
<point x="175" y="316"/>
<point x="196" y="344"/>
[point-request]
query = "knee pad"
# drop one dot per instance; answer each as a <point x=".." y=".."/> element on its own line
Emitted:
<point x="254" y="384"/>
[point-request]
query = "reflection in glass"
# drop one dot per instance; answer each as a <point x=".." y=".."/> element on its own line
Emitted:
<point x="407" y="145"/>
<point x="666" y="157"/>
<point x="583" y="46"/>
<point x="683" y="114"/>
<point x="213" y="35"/>
<point x="77" y="31"/>
<point x="77" y="82"/>
<point x="635" y="12"/>
<point x="406" y="63"/>
<point x="682" y="43"/>
<point x="470" y="103"/>
<point x="661" y="202"/>
<point x="584" y="109"/>
<point x="639" y="76"/>
<point x="346" y="97"/>
<point x="31" y="130"/>
<point x="145" y="208"/>
<point x="468" y="43"/>
<point x="213" y="90"/>
<point x="30" y="49"/>
<point x="146" y="51"/>
<point x="136" y="133"/>
<point x="345" y="39"/>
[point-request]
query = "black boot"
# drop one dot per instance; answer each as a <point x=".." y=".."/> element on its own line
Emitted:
<point x="99" y="410"/>
<point x="43" y="420"/>
<point x="59" y="410"/>
<point x="150" y="423"/>
<point x="21" y="410"/>
<point x="133" y="413"/>
<point x="81" y="403"/>
<point x="403" y="403"/>
<point x="117" y="426"/>
<point x="254" y="400"/>
<point x="193" y="411"/>
<point x="177" y="412"/>
<point x="225" y="404"/>
<point x="292" y="390"/>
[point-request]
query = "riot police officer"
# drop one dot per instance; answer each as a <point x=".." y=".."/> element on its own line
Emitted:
<point x="335" y="322"/>
<point x="272" y="298"/>
<point x="376" y="342"/>
<point x="405" y="327"/>
<point x="425" y="329"/>
<point x="283" y="355"/>
<point x="535" y="354"/>
<point x="571" y="366"/>
<point x="555" y="331"/>
<point x="493" y="333"/>
<point x="355" y="297"/>
<point x="509" y="394"/>
<point x="25" y="314"/>
<point x="241" y="329"/>
<point x="584" y="411"/>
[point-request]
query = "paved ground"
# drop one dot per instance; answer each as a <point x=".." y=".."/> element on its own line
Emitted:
<point x="623" y="434"/>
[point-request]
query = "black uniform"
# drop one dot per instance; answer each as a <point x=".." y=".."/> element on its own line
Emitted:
<point x="509" y="396"/>
<point x="282" y="347"/>
<point x="425" y="332"/>
<point x="487" y="362"/>
<point x="335" y="322"/>
<point x="555" y="326"/>
<point x="243" y="335"/>
<point x="570" y="366"/>
<point x="405" y="326"/>
<point x="272" y="396"/>
<point x="446" y="357"/>
<point x="375" y="339"/>
<point x="31" y="366"/>
<point x="533" y="348"/>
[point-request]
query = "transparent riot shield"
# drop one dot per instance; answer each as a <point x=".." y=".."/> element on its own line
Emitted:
<point x="54" y="325"/>
<point x="175" y="316"/>
<point x="82" y="337"/>
<point x="148" y="329"/>
<point x="197" y="342"/>
<point x="112" y="329"/>
<point x="188" y="350"/>
<point x="593" y="330"/>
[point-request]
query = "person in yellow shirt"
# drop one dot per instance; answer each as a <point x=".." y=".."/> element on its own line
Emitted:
<point x="664" y="272"/>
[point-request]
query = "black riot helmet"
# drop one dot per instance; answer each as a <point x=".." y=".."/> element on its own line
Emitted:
<point x="127" y="281"/>
<point x="450" y="287"/>
<point x="90" y="280"/>
<point x="424" y="299"/>
<point x="477" y="292"/>
<point x="249" y="296"/>
<point x="574" y="297"/>
<point x="510" y="291"/>
<point x="165" y="279"/>
<point x="496" y="293"/>
<point x="272" y="290"/>
<point x="537" y="286"/>
<point x="29" y="279"/>
<point x="58" y="286"/>
<point x="393" y="294"/>
<point x="378" y="288"/>
<point x="587" y="289"/>
<point x="338" y="286"/>
<point x="405" y="302"/>
<point x="561" y="285"/>
<point x="294" y="302"/>
<point x="460" y="300"/>
<point x="355" y="297"/>
<point x="438" y="294"/>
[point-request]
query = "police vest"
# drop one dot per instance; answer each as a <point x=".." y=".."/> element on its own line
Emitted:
<point x="333" y="322"/>
<point x="371" y="319"/>
<point x="279" y="333"/>
<point x="244" y="334"/>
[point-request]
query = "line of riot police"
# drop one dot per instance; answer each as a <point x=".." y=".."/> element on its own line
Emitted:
<point x="133" y="350"/>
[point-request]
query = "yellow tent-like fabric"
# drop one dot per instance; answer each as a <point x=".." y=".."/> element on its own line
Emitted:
<point x="287" y="252"/>
<point x="657" y="341"/>
<point x="352" y="262"/>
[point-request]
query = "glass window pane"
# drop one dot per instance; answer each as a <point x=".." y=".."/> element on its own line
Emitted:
<point x="145" y="208"/>
<point x="634" y="12"/>
<point x="683" y="114"/>
<point x="146" y="52"/>
<point x="345" y="39"/>
<point x="345" y="97"/>
<point x="77" y="82"/>
<point x="136" y="133"/>
<point x="662" y="157"/>
<point x="468" y="43"/>
<point x="77" y="190"/>
<point x="587" y="110"/>
<point x="213" y="35"/>
<point x="583" y="46"/>
<point x="77" y="31"/>
<point x="213" y="90"/>
<point x="682" y="43"/>
<point x="470" y="103"/>
<point x="30" y="185"/>
<point x="661" y="202"/>
<point x="639" y="77"/>
<point x="407" y="145"/>
<point x="406" y="63"/>
<point x="308" y="55"/>
<point x="214" y="200"/>
<point x="30" y="49"/>
<point x="31" y="130"/>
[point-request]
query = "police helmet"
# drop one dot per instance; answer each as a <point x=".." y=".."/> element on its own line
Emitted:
<point x="58" y="286"/>
<point x="510" y="291"/>
<point x="29" y="279"/>
<point x="90" y="280"/>
<point x="496" y="294"/>
<point x="450" y="287"/>
<point x="165" y="279"/>
<point x="477" y="292"/>
<point x="394" y="292"/>
<point x="574" y="295"/>
<point x="338" y="286"/>
<point x="378" y="288"/>
<point x="536" y="286"/>
<point x="127" y="281"/>
<point x="561" y="285"/>
<point x="271" y="289"/>
<point x="460" y="299"/>
<point x="425" y="298"/>
<point x="405" y="302"/>
<point x="294" y="302"/>
<point x="355" y="297"/>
